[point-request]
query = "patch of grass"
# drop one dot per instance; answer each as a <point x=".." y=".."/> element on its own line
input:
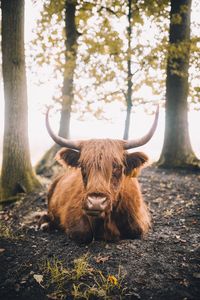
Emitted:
<point x="82" y="281"/>
<point x="59" y="277"/>
<point x="103" y="287"/>
<point x="6" y="232"/>
<point x="81" y="267"/>
<point x="57" y="273"/>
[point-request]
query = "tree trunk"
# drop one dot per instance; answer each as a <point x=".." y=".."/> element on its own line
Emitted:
<point x="47" y="163"/>
<point x="17" y="174"/>
<point x="177" y="151"/>
<point x="70" y="65"/>
<point x="129" y="76"/>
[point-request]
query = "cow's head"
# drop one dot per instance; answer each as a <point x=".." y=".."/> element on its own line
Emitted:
<point x="103" y="163"/>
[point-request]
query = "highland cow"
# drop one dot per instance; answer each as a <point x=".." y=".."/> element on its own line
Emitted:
<point x="99" y="196"/>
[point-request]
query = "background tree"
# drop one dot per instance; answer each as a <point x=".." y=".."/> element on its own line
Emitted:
<point x="128" y="95"/>
<point x="17" y="174"/>
<point x="68" y="8"/>
<point x="177" y="150"/>
<point x="71" y="36"/>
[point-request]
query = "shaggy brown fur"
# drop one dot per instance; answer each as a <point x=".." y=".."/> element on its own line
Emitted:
<point x="101" y="167"/>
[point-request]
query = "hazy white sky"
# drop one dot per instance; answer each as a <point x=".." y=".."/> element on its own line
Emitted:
<point x="40" y="95"/>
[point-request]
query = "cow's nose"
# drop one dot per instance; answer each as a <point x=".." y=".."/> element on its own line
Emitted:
<point x="96" y="203"/>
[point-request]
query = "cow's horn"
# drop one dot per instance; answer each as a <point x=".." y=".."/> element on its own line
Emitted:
<point x="59" y="140"/>
<point x="141" y="141"/>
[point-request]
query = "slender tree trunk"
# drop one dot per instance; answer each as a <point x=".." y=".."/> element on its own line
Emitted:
<point x="47" y="163"/>
<point x="17" y="174"/>
<point x="177" y="150"/>
<point x="70" y="65"/>
<point x="129" y="76"/>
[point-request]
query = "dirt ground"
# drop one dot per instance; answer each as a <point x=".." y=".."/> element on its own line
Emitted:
<point x="164" y="265"/>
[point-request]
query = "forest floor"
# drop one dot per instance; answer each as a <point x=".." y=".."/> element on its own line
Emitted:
<point x="165" y="265"/>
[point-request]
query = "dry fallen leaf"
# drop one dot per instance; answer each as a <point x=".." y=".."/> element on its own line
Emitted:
<point x="119" y="247"/>
<point x="38" y="278"/>
<point x="52" y="296"/>
<point x="101" y="259"/>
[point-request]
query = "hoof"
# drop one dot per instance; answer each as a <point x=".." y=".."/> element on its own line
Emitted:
<point x="44" y="223"/>
<point x="44" y="226"/>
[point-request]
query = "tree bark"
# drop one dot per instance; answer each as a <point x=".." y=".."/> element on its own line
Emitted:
<point x="177" y="151"/>
<point x="70" y="65"/>
<point x="129" y="76"/>
<point x="17" y="173"/>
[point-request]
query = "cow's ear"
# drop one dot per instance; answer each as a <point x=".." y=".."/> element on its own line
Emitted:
<point x="133" y="163"/>
<point x="68" y="157"/>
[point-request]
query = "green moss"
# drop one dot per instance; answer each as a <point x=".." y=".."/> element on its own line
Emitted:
<point x="189" y="162"/>
<point x="25" y="184"/>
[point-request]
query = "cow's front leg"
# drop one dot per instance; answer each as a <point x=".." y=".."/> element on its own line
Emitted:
<point x="80" y="231"/>
<point x="129" y="226"/>
<point x="112" y="233"/>
<point x="105" y="229"/>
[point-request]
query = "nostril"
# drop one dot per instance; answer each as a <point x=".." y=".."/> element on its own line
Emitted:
<point x="89" y="199"/>
<point x="103" y="200"/>
<point x="90" y="202"/>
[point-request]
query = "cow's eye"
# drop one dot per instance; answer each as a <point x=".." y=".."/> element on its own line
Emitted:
<point x="117" y="170"/>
